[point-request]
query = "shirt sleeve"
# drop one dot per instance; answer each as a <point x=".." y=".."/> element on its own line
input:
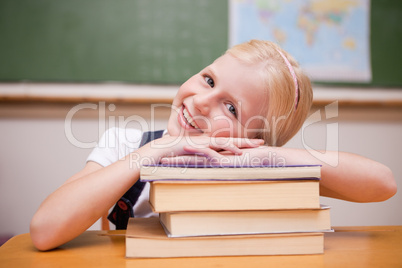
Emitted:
<point x="115" y="144"/>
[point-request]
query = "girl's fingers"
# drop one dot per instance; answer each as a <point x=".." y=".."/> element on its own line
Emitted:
<point x="226" y="147"/>
<point x="214" y="145"/>
<point x="205" y="152"/>
<point x="248" y="143"/>
<point x="224" y="143"/>
<point x="212" y="149"/>
<point x="186" y="160"/>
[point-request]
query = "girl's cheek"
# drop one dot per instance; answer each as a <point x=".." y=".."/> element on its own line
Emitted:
<point x="224" y="128"/>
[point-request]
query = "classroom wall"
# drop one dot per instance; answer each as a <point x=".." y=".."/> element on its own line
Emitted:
<point x="37" y="156"/>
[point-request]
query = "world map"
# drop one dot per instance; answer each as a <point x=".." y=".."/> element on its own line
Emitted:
<point x="330" y="39"/>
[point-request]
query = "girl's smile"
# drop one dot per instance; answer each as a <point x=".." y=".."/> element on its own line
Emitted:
<point x="223" y="100"/>
<point x="186" y="120"/>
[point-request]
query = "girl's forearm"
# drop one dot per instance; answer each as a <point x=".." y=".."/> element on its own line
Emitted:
<point x="357" y="179"/>
<point x="345" y="176"/>
<point x="80" y="202"/>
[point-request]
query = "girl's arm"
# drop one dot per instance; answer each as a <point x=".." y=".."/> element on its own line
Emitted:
<point x="346" y="176"/>
<point x="343" y="175"/>
<point x="80" y="202"/>
<point x="84" y="198"/>
<point x="89" y="194"/>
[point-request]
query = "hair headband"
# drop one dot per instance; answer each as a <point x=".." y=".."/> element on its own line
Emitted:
<point x="292" y="72"/>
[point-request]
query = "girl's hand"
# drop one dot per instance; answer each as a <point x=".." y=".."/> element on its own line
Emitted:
<point x="212" y="146"/>
<point x="170" y="149"/>
<point x="247" y="156"/>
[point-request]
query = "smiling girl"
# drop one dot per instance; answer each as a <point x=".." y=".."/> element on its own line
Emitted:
<point x="244" y="105"/>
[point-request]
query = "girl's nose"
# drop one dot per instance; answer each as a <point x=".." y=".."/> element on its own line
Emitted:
<point x="203" y="102"/>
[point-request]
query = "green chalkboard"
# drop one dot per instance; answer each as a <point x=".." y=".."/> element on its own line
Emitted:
<point x="145" y="41"/>
<point x="141" y="41"/>
<point x="386" y="42"/>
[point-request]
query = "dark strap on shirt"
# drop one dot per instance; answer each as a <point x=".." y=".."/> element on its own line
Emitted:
<point x="123" y="209"/>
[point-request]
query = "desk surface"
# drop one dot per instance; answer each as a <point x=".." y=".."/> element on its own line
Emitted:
<point x="379" y="246"/>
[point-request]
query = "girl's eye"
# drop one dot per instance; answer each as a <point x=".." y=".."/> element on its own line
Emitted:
<point x="231" y="109"/>
<point x="209" y="81"/>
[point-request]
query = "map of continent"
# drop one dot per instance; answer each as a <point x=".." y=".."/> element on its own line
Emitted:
<point x="330" y="39"/>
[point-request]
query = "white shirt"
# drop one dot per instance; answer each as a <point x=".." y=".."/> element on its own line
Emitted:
<point x="115" y="144"/>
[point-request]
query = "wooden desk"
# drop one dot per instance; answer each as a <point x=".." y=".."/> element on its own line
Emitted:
<point x="347" y="247"/>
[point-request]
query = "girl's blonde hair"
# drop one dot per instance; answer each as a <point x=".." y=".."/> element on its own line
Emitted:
<point x="285" y="113"/>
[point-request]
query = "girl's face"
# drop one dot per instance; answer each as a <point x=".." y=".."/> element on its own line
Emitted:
<point x="226" y="99"/>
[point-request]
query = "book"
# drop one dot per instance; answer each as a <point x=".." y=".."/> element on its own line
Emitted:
<point x="222" y="173"/>
<point x="203" y="223"/>
<point x="170" y="196"/>
<point x="145" y="238"/>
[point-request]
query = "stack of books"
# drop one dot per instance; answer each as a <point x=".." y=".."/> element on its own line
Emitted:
<point x="230" y="211"/>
